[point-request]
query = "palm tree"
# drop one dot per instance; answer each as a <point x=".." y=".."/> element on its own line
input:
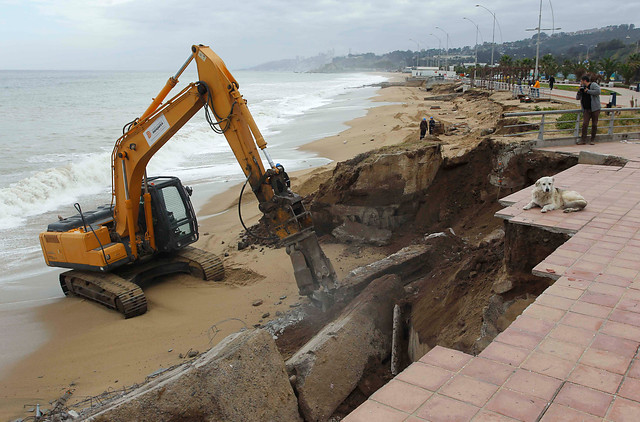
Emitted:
<point x="568" y="67"/>
<point x="506" y="61"/>
<point x="549" y="65"/>
<point x="627" y="72"/>
<point x="608" y="66"/>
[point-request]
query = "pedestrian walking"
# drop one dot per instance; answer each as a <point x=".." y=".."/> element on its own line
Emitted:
<point x="423" y="127"/>
<point x="432" y="125"/>
<point x="589" y="96"/>
<point x="552" y="81"/>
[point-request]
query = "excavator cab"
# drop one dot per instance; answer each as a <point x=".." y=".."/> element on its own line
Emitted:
<point x="174" y="221"/>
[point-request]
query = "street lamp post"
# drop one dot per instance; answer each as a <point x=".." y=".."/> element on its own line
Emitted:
<point x="493" y="36"/>
<point x="477" y="32"/>
<point x="418" y="53"/>
<point x="539" y="28"/>
<point x="439" y="48"/>
<point x="588" y="47"/>
<point x="446" y="58"/>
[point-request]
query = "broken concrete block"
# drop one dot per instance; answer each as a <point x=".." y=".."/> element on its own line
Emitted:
<point x="243" y="378"/>
<point x="330" y="366"/>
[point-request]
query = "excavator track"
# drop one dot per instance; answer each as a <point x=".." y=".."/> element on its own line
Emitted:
<point x="203" y="264"/>
<point x="110" y="290"/>
<point x="120" y="290"/>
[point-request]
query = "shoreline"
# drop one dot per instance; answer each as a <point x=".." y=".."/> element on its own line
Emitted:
<point x="93" y="348"/>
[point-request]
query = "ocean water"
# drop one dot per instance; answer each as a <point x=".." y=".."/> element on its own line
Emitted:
<point x="59" y="128"/>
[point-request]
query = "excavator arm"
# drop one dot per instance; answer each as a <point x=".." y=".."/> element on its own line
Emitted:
<point x="227" y="113"/>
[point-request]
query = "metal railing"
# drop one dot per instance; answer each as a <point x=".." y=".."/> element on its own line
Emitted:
<point x="572" y="125"/>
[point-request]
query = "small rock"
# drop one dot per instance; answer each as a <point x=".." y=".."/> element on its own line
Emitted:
<point x="257" y="325"/>
<point x="181" y="356"/>
<point x="205" y="234"/>
<point x="283" y="297"/>
<point x="266" y="315"/>
<point x="73" y="414"/>
<point x="294" y="305"/>
<point x="279" y="314"/>
<point x="242" y="245"/>
<point x="257" y="302"/>
<point x="192" y="353"/>
<point x="222" y="243"/>
<point x="116" y="381"/>
<point x="226" y="254"/>
<point x="278" y="303"/>
<point x="170" y="350"/>
<point x="253" y="247"/>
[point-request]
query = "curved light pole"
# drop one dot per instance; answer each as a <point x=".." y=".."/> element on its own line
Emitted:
<point x="493" y="37"/>
<point x="418" y="53"/>
<point x="588" y="47"/>
<point x="439" y="47"/>
<point x="477" y="32"/>
<point x="446" y="58"/>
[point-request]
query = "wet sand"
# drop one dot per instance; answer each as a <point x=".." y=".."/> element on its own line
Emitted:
<point x="87" y="348"/>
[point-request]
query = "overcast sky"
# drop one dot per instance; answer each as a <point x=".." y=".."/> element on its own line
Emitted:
<point x="158" y="34"/>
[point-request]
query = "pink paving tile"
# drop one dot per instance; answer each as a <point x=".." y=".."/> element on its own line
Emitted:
<point x="444" y="409"/>
<point x="545" y="364"/>
<point x="516" y="405"/>
<point x="370" y="411"/>
<point x="625" y="317"/>
<point x="572" y="282"/>
<point x="624" y="410"/>
<point x="469" y="390"/>
<point x="587" y="265"/>
<point x="604" y="252"/>
<point x="445" y="358"/>
<point x="504" y="353"/>
<point x="560" y="260"/>
<point x="566" y="292"/>
<point x="532" y="325"/>
<point x="532" y="383"/>
<point x="518" y="338"/>
<point x="561" y="349"/>
<point x="488" y="370"/>
<point x="586" y="275"/>
<point x="558" y="412"/>
<point x="596" y="258"/>
<point x="634" y="372"/>
<point x="567" y="253"/>
<point x="622" y="272"/>
<point x="618" y="345"/>
<point x="590" y="309"/>
<point x="609" y="361"/>
<point x="584" y="399"/>
<point x="599" y="299"/>
<point x="630" y="389"/>
<point x="607" y="289"/>
<point x="630" y="305"/>
<point x="614" y="280"/>
<point x="625" y="263"/>
<point x="573" y="335"/>
<point x="487" y="416"/>
<point x="595" y="378"/>
<point x="632" y="294"/>
<point x="630" y="332"/>
<point x="425" y="376"/>
<point x="414" y="419"/>
<point x="582" y="321"/>
<point x="549" y="270"/>
<point x="556" y="302"/>
<point x="401" y="396"/>
<point x="544" y="313"/>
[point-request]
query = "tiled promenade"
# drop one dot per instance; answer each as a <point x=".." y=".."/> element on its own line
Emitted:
<point x="573" y="354"/>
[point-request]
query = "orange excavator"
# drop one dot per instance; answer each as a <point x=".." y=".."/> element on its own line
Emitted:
<point x="146" y="230"/>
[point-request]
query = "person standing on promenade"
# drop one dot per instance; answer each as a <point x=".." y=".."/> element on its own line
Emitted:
<point x="589" y="96"/>
<point x="432" y="126"/>
<point x="552" y="81"/>
<point x="423" y="127"/>
<point x="536" y="88"/>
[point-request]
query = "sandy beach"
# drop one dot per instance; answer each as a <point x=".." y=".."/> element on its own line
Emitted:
<point x="88" y="349"/>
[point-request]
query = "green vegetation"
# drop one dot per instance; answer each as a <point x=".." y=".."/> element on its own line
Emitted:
<point x="574" y="88"/>
<point x="566" y="121"/>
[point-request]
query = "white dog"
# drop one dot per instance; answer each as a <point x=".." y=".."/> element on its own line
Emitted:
<point x="550" y="198"/>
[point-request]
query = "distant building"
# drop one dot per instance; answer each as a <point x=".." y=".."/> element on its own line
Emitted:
<point x="430" y="72"/>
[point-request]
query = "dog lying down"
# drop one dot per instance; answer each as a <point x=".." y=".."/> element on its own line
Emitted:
<point x="550" y="198"/>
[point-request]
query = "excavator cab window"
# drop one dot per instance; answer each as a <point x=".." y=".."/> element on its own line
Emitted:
<point x="174" y="220"/>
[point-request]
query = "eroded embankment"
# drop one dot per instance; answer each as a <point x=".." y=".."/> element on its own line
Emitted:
<point x="476" y="280"/>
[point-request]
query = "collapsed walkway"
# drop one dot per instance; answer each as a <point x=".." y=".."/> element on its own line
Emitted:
<point x="573" y="353"/>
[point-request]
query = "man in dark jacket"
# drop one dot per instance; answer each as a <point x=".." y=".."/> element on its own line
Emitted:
<point x="589" y="96"/>
<point x="423" y="127"/>
<point x="552" y="81"/>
